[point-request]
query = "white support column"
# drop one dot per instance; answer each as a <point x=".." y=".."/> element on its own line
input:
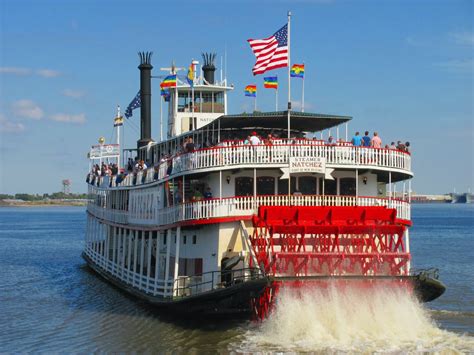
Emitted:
<point x="114" y="247"/>
<point x="347" y="131"/>
<point x="167" y="263"/>
<point x="129" y="253"/>
<point x="357" y="186"/>
<point x="107" y="249"/>
<point x="148" y="265"/>
<point x="157" y="261"/>
<point x="317" y="185"/>
<point x="176" y="260"/>
<point x="135" y="254"/>
<point x="220" y="184"/>
<point x="119" y="241"/>
<point x="124" y="246"/>
<point x="142" y="256"/>
<point x="389" y="189"/>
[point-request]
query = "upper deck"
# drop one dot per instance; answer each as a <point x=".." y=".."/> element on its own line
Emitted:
<point x="232" y="155"/>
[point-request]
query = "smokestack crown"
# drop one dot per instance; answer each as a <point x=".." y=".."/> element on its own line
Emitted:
<point x="209" y="68"/>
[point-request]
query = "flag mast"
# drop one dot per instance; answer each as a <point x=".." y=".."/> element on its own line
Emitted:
<point x="289" y="105"/>
<point x="276" y="99"/>
<point x="302" y="99"/>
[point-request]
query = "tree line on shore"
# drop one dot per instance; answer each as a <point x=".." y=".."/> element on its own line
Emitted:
<point x="42" y="197"/>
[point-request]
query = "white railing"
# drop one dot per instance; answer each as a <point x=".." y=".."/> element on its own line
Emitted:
<point x="274" y="155"/>
<point x="241" y="206"/>
<point x="150" y="285"/>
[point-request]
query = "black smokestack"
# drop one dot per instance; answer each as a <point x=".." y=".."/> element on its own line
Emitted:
<point x="145" y="93"/>
<point x="209" y="68"/>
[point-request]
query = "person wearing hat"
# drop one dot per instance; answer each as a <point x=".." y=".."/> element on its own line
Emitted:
<point x="254" y="140"/>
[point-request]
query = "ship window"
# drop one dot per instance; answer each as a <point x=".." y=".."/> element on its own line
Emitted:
<point x="348" y="186"/>
<point x="243" y="186"/>
<point x="184" y="239"/>
<point x="330" y="187"/>
<point x="184" y="102"/>
<point x="283" y="186"/>
<point x="194" y="239"/>
<point x="307" y="185"/>
<point x="206" y="102"/>
<point x="219" y="102"/>
<point x="265" y="185"/>
<point x="164" y="239"/>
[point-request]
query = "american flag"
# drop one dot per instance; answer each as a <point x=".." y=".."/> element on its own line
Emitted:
<point x="271" y="52"/>
<point x="136" y="102"/>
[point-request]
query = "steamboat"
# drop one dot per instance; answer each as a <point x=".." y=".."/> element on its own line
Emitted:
<point x="217" y="223"/>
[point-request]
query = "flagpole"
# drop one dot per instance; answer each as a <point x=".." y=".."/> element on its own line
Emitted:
<point x="276" y="99"/>
<point x="118" y="138"/>
<point x="192" y="95"/>
<point x="289" y="106"/>
<point x="161" y="118"/>
<point x="255" y="103"/>
<point x="302" y="99"/>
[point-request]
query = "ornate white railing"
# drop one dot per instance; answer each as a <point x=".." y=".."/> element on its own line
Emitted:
<point x="264" y="155"/>
<point x="240" y="206"/>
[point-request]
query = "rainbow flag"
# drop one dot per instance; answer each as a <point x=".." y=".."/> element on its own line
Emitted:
<point x="190" y="77"/>
<point x="297" y="71"/>
<point x="270" y="82"/>
<point x="169" y="81"/>
<point x="165" y="92"/>
<point x="251" y="90"/>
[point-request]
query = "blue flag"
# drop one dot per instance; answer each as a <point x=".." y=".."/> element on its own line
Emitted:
<point x="136" y="102"/>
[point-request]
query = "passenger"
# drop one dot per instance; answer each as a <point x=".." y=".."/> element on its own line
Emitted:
<point x="393" y="146"/>
<point x="269" y="140"/>
<point x="366" y="139"/>
<point x="401" y="146"/>
<point x="247" y="141"/>
<point x="197" y="196"/>
<point x="331" y="141"/>
<point x="356" y="140"/>
<point x="254" y="140"/>
<point x="407" y="147"/>
<point x="376" y="142"/>
<point x="208" y="193"/>
<point x="190" y="147"/>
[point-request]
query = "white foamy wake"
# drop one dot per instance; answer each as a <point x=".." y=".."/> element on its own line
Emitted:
<point x="351" y="319"/>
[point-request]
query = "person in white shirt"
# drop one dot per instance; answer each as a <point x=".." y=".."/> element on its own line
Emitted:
<point x="254" y="140"/>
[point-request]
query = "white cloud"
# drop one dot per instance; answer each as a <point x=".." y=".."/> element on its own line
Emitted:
<point x="48" y="73"/>
<point x="458" y="65"/>
<point x="27" y="109"/>
<point x="7" y="126"/>
<point x="75" y="94"/>
<point x="15" y="70"/>
<point x="64" y="117"/>
<point x="463" y="38"/>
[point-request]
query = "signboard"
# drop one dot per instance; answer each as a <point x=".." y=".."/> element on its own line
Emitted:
<point x="104" y="151"/>
<point x="307" y="165"/>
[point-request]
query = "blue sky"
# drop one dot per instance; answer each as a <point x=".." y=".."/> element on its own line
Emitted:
<point x="402" y="68"/>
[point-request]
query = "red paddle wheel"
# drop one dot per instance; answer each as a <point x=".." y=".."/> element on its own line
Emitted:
<point x="300" y="245"/>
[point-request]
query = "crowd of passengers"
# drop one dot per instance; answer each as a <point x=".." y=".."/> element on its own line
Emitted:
<point x="253" y="139"/>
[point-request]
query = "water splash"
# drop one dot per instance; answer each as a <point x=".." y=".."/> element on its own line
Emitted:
<point x="351" y="319"/>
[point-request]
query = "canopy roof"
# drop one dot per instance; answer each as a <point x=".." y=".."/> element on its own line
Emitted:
<point x="300" y="121"/>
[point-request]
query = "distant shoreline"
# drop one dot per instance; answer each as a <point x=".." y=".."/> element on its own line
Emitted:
<point x="43" y="204"/>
